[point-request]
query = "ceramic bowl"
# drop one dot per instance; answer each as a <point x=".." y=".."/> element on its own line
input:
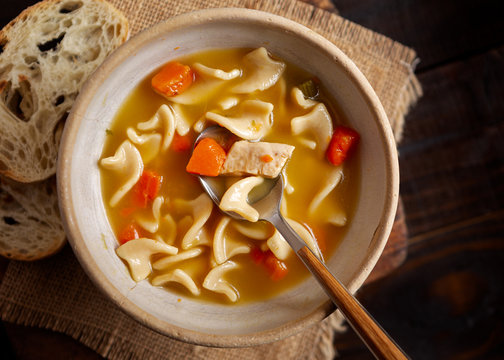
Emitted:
<point x="83" y="210"/>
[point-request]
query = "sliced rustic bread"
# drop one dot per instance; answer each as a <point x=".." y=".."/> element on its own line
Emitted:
<point x="46" y="54"/>
<point x="30" y="227"/>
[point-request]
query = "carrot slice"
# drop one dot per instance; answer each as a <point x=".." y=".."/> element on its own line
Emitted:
<point x="173" y="79"/>
<point x="276" y="268"/>
<point x="130" y="232"/>
<point x="146" y="188"/>
<point x="181" y="143"/>
<point x="207" y="158"/>
<point x="343" y="143"/>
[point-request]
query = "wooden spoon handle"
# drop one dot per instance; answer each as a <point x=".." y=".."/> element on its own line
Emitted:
<point x="377" y="340"/>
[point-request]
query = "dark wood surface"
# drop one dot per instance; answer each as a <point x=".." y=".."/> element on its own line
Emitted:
<point x="446" y="300"/>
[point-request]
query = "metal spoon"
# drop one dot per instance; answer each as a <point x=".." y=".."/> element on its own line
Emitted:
<point x="267" y="202"/>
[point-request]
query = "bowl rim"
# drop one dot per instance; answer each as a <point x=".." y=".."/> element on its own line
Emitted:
<point x="188" y="20"/>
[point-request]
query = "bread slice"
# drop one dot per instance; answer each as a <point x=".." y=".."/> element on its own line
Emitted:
<point x="30" y="226"/>
<point x="46" y="54"/>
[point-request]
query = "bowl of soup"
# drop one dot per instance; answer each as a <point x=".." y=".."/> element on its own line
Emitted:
<point x="142" y="226"/>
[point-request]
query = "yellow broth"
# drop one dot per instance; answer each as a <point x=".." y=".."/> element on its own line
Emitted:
<point x="305" y="172"/>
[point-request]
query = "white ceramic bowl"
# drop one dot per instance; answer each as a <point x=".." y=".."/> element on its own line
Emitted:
<point x="83" y="209"/>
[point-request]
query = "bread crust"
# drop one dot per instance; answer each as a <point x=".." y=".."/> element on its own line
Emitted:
<point x="30" y="226"/>
<point x="40" y="6"/>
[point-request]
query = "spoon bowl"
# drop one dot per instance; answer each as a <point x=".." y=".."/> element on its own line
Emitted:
<point x="265" y="197"/>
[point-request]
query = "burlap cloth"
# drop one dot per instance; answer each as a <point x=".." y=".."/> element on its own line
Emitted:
<point x="56" y="294"/>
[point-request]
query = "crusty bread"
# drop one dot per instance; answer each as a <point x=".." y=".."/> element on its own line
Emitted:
<point x="46" y="54"/>
<point x="30" y="227"/>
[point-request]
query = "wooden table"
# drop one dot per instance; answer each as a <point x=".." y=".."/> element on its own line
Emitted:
<point x="446" y="300"/>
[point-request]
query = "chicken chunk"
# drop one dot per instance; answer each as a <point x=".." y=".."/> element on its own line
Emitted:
<point x="256" y="158"/>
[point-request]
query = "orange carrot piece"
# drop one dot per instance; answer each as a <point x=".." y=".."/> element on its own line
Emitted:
<point x="207" y="158"/>
<point x="130" y="232"/>
<point x="343" y="143"/>
<point x="173" y="79"/>
<point x="276" y="268"/>
<point x="146" y="188"/>
<point x="181" y="143"/>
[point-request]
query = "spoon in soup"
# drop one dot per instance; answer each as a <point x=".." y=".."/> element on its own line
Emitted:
<point x="266" y="199"/>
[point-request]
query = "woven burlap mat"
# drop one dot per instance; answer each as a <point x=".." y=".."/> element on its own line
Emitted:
<point x="56" y="294"/>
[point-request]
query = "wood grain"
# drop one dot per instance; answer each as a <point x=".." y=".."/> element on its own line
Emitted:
<point x="451" y="157"/>
<point x="440" y="31"/>
<point x="378" y="342"/>
<point x="446" y="300"/>
<point x="41" y="344"/>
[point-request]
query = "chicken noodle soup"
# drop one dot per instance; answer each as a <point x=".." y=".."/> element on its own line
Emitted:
<point x="169" y="231"/>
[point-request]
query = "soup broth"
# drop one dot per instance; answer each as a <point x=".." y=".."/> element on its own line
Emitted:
<point x="306" y="174"/>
